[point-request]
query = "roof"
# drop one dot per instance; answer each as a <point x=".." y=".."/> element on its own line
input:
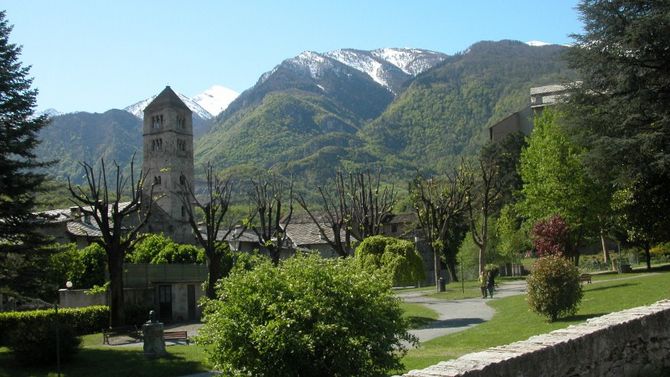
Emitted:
<point x="307" y="233"/>
<point x="166" y="98"/>
<point x="53" y="216"/>
<point x="403" y="218"/>
<point x="83" y="229"/>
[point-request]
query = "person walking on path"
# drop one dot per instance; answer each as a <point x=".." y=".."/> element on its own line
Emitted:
<point x="483" y="282"/>
<point x="490" y="282"/>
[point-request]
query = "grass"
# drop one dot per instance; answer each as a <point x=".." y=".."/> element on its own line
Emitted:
<point x="94" y="359"/>
<point x="418" y="315"/>
<point x="513" y="320"/>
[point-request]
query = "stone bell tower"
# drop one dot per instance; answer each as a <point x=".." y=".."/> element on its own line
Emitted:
<point x="168" y="163"/>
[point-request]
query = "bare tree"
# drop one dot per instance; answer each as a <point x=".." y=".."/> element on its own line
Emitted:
<point x="441" y="206"/>
<point x="334" y="215"/>
<point x="484" y="199"/>
<point x="268" y="196"/>
<point x="117" y="234"/>
<point x="214" y="207"/>
<point x="369" y="205"/>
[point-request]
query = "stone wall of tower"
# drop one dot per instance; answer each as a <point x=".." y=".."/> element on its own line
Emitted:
<point x="167" y="162"/>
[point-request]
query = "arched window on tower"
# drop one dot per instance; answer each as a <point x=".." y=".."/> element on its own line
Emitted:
<point x="157" y="180"/>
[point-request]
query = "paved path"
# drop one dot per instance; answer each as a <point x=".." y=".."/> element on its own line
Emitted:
<point x="459" y="315"/>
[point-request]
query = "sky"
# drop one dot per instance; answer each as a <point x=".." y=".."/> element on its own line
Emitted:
<point x="97" y="55"/>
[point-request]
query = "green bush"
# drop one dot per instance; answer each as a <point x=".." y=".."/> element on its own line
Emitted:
<point x="553" y="287"/>
<point x="306" y="317"/>
<point x="398" y="259"/>
<point x="82" y="321"/>
<point x="31" y="335"/>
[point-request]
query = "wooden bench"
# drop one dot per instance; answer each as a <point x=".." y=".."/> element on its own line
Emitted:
<point x="585" y="278"/>
<point x="129" y="331"/>
<point x="176" y="336"/>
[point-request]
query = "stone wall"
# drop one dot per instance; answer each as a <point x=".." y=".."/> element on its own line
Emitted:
<point x="633" y="342"/>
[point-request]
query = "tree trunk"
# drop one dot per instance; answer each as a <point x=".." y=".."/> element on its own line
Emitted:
<point x="116" y="287"/>
<point x="274" y="255"/>
<point x="647" y="254"/>
<point x="482" y="257"/>
<point x="606" y="254"/>
<point x="436" y="262"/>
<point x="215" y="273"/>
<point x="453" y="272"/>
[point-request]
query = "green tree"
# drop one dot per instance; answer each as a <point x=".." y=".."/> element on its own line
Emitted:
<point x="621" y="109"/>
<point x="158" y="249"/>
<point x="556" y="182"/>
<point x="553" y="287"/>
<point x="85" y="267"/>
<point x="397" y="258"/>
<point x="512" y="238"/>
<point x="19" y="180"/>
<point x="305" y="317"/>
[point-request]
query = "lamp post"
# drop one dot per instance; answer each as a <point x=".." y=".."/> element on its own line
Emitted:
<point x="68" y="285"/>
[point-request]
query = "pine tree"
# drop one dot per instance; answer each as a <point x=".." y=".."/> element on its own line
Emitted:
<point x="18" y="179"/>
<point x="18" y="139"/>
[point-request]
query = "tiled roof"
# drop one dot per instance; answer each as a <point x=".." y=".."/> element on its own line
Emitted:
<point x="307" y="233"/>
<point x="166" y="98"/>
<point x="82" y="229"/>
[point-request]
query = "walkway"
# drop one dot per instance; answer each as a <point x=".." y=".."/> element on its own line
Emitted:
<point x="459" y="315"/>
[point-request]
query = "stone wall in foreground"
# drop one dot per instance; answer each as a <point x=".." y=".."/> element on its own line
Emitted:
<point x="633" y="342"/>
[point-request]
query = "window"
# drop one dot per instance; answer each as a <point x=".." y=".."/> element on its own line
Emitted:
<point x="183" y="211"/>
<point x="181" y="145"/>
<point x="157" y="180"/>
<point x="182" y="180"/>
<point x="180" y="122"/>
<point x="157" y="121"/>
<point x="157" y="144"/>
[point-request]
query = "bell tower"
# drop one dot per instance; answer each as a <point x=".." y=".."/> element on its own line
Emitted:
<point x="168" y="162"/>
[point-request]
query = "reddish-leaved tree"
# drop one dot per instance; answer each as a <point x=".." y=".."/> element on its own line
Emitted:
<point x="551" y="236"/>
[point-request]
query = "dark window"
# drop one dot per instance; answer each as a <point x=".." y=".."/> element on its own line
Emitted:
<point x="183" y="211"/>
<point x="157" y="180"/>
<point x="182" y="180"/>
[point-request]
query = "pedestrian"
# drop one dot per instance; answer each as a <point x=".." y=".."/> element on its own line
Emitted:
<point x="482" y="283"/>
<point x="490" y="282"/>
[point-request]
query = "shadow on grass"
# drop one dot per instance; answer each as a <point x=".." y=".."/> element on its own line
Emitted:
<point x="419" y="322"/>
<point x="602" y="288"/>
<point x="580" y="317"/>
<point x="107" y="363"/>
<point x="454" y="322"/>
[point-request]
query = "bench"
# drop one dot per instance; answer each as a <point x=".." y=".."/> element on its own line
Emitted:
<point x="176" y="336"/>
<point x="585" y="278"/>
<point x="129" y="331"/>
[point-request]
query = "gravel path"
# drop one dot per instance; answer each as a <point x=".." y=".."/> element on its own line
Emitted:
<point x="459" y="315"/>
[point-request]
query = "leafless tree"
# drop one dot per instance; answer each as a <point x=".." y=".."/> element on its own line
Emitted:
<point x="368" y="204"/>
<point x="118" y="233"/>
<point x="269" y="198"/>
<point x="441" y="206"/>
<point x="335" y="216"/>
<point x="214" y="207"/>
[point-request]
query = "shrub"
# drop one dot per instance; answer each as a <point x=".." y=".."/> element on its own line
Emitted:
<point x="31" y="335"/>
<point x="398" y="259"/>
<point x="306" y="317"/>
<point x="553" y="287"/>
<point x="81" y="320"/>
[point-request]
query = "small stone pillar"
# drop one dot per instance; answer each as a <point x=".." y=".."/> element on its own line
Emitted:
<point x="154" y="343"/>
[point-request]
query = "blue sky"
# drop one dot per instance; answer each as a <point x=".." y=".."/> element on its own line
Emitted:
<point x="97" y="55"/>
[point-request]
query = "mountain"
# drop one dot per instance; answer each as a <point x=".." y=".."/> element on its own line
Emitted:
<point x="307" y="103"/>
<point x="444" y="113"/>
<point x="205" y="106"/>
<point x="404" y="109"/>
<point x="114" y="135"/>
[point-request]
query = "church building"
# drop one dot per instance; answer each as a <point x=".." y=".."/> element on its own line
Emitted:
<point x="168" y="164"/>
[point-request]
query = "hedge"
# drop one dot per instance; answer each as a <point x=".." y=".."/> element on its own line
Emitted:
<point x="82" y="321"/>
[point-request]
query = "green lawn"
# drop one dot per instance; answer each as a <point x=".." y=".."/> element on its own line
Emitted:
<point x="96" y="360"/>
<point x="513" y="321"/>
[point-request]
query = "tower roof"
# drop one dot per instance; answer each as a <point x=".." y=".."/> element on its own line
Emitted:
<point x="166" y="98"/>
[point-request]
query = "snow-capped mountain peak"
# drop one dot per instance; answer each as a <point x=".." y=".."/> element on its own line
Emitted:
<point x="311" y="61"/>
<point x="216" y="99"/>
<point x="537" y="43"/>
<point x="205" y="105"/>
<point x="410" y="60"/>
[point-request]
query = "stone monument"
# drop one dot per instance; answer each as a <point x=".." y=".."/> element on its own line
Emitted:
<point x="154" y="343"/>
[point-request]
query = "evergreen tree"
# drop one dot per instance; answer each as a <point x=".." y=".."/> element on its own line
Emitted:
<point x="18" y="139"/>
<point x="621" y="110"/>
<point x="21" y="269"/>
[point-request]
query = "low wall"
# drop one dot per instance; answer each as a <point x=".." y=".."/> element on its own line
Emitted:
<point x="633" y="342"/>
<point x="77" y="298"/>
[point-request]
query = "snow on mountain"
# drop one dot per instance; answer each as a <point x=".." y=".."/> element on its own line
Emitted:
<point x="215" y="99"/>
<point x="537" y="43"/>
<point x="410" y="60"/>
<point x="205" y="105"/>
<point x="386" y="66"/>
<point x="361" y="61"/>
<point x="310" y="62"/>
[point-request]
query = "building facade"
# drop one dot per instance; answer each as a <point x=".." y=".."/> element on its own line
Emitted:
<point x="168" y="164"/>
